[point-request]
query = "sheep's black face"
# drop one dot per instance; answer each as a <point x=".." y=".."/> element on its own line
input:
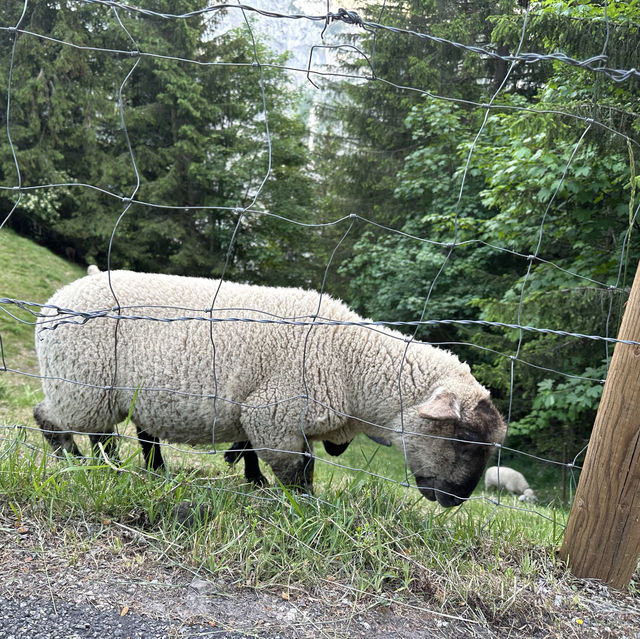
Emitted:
<point x="446" y="493"/>
<point x="449" y="459"/>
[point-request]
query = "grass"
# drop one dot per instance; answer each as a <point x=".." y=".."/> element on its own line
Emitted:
<point x="31" y="273"/>
<point x="364" y="533"/>
<point x="369" y="536"/>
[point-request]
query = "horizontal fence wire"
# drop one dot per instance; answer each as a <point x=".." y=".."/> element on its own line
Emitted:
<point x="50" y="317"/>
<point x="86" y="316"/>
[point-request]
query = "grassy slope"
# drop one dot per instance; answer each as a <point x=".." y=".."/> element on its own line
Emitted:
<point x="28" y="272"/>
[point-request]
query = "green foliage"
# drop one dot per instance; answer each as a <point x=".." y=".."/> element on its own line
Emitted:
<point x="549" y="174"/>
<point x="566" y="402"/>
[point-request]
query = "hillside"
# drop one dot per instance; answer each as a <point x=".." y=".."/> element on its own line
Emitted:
<point x="31" y="273"/>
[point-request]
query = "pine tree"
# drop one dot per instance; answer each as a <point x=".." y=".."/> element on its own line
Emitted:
<point x="194" y="136"/>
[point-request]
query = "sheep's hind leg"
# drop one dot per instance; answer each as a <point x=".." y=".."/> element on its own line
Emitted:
<point x="58" y="440"/>
<point x="235" y="452"/>
<point x="252" y="472"/>
<point x="109" y="445"/>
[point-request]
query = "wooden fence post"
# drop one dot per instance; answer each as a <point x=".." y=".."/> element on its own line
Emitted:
<point x="602" y="539"/>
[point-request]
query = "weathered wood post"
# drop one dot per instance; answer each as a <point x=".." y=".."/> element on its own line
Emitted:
<point x="602" y="539"/>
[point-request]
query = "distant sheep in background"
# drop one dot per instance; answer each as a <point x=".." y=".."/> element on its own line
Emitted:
<point x="509" y="479"/>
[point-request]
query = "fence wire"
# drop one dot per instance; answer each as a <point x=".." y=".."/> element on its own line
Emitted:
<point x="51" y="317"/>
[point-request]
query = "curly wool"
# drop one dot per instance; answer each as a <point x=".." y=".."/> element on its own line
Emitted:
<point x="269" y="377"/>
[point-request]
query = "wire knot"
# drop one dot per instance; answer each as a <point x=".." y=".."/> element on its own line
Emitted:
<point x="350" y="17"/>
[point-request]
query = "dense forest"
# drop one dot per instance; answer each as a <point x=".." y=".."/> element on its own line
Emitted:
<point x="493" y="188"/>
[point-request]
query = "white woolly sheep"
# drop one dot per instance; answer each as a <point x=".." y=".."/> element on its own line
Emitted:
<point x="509" y="479"/>
<point x="270" y="377"/>
<point x="153" y="454"/>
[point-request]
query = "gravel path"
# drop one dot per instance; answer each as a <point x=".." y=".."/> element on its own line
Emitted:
<point x="38" y="618"/>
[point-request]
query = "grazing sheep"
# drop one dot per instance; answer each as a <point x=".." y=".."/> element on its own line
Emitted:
<point x="271" y="377"/>
<point x="510" y="479"/>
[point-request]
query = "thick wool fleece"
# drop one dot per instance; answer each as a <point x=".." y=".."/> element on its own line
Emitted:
<point x="279" y="385"/>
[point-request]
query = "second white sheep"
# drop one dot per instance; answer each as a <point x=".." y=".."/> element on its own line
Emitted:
<point x="504" y="477"/>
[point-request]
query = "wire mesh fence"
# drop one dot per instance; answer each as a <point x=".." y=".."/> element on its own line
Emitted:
<point x="339" y="48"/>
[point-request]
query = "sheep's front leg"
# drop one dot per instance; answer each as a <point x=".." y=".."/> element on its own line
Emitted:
<point x="109" y="445"/>
<point x="150" y="449"/>
<point x="240" y="450"/>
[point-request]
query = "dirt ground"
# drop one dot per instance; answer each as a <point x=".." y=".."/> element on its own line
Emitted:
<point x="71" y="566"/>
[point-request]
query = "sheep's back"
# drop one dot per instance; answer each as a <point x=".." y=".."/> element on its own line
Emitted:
<point x="160" y="333"/>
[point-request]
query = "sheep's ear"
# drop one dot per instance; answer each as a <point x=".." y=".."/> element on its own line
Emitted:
<point x="440" y="406"/>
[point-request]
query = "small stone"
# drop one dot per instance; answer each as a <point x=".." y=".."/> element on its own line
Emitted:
<point x="199" y="584"/>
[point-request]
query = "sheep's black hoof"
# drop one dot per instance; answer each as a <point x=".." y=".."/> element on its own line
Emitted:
<point x="258" y="480"/>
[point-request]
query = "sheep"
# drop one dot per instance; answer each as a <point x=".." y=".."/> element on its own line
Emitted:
<point x="281" y="368"/>
<point x="510" y="479"/>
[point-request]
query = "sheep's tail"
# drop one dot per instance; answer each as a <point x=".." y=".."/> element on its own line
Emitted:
<point x="93" y="270"/>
